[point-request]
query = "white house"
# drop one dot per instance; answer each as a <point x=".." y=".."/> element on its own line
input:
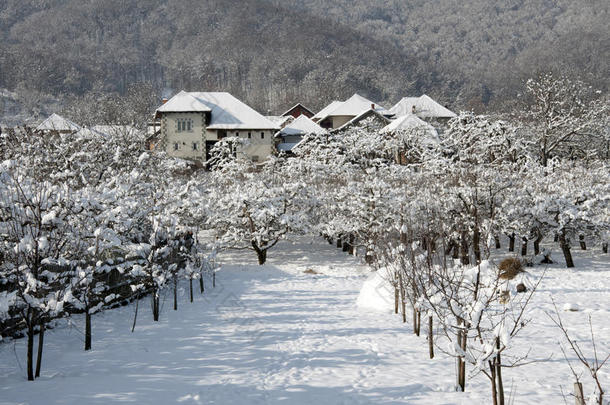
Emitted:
<point x="191" y="123"/>
<point x="410" y="122"/>
<point x="293" y="133"/>
<point x="339" y="113"/>
<point x="58" y="124"/>
<point x="425" y="108"/>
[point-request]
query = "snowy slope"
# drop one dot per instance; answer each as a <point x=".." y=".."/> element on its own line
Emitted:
<point x="276" y="335"/>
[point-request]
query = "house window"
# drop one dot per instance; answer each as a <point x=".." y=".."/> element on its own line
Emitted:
<point x="195" y="146"/>
<point x="262" y="135"/>
<point x="184" y="125"/>
<point x="236" y="134"/>
<point x="249" y="135"/>
<point x="176" y="146"/>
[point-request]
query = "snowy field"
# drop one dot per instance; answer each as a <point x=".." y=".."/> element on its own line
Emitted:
<point x="276" y="335"/>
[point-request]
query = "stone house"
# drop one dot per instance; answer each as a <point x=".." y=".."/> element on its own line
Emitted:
<point x="192" y="122"/>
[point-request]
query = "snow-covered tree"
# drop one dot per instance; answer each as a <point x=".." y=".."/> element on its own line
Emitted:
<point x="36" y="236"/>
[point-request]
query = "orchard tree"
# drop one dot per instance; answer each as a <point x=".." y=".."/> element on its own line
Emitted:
<point x="563" y="116"/>
<point x="35" y="227"/>
<point x="252" y="207"/>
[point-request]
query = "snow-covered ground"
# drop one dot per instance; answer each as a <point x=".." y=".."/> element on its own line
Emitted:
<point x="275" y="334"/>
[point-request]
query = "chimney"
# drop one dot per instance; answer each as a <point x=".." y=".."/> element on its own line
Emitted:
<point x="372" y="106"/>
<point x="163" y="101"/>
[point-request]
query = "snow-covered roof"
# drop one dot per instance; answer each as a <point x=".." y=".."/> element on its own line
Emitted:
<point x="353" y="106"/>
<point x="183" y="102"/>
<point x="57" y="123"/>
<point x="280" y="120"/>
<point x="89" y="133"/>
<point x="323" y="113"/>
<point x="302" y="126"/>
<point x="412" y="122"/>
<point x="295" y="106"/>
<point x="115" y="129"/>
<point x="425" y="107"/>
<point x="227" y="112"/>
<point x="363" y="115"/>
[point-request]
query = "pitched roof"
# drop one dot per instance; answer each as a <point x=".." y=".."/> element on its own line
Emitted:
<point x="183" y="102"/>
<point x="115" y="129"/>
<point x="280" y="120"/>
<point x="302" y="126"/>
<point x="295" y="106"/>
<point x="227" y="112"/>
<point x="89" y="133"/>
<point x="425" y="107"/>
<point x="363" y="115"/>
<point x="353" y="106"/>
<point x="323" y="113"/>
<point x="412" y="122"/>
<point x="57" y="123"/>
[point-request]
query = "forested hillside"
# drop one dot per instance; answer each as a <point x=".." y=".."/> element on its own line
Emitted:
<point x="272" y="53"/>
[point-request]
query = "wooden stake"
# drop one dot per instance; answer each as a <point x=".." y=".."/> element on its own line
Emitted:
<point x="579" y="396"/>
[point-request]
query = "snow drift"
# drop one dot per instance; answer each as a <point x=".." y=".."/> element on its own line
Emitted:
<point x="376" y="293"/>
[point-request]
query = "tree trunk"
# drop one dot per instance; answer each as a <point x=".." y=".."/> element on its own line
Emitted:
<point x="155" y="305"/>
<point x="499" y="383"/>
<point x="135" y="315"/>
<point x="175" y="292"/>
<point x="402" y="299"/>
<point x="351" y="245"/>
<point x="214" y="280"/>
<point x="565" y="248"/>
<point x="430" y="337"/>
<point x="476" y="244"/>
<point x="494" y="392"/>
<point x="449" y="247"/>
<point x="191" y="288"/>
<point x="87" y="329"/>
<point x="464" y="254"/>
<point x="605" y="247"/>
<point x="345" y="247"/>
<point x="396" y="298"/>
<point x="40" y="346"/>
<point x="30" y="355"/>
<point x="537" y="243"/>
<point x="456" y="251"/>
<point x="511" y="242"/>
<point x="416" y="321"/>
<point x="524" y="246"/>
<point x="583" y="244"/>
<point x="261" y="254"/>
<point x="201" y="286"/>
<point x="339" y="243"/>
<point x="497" y="240"/>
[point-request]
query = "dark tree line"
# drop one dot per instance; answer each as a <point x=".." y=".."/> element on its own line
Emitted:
<point x="272" y="53"/>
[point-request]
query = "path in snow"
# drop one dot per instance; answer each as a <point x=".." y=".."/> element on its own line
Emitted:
<point x="265" y="335"/>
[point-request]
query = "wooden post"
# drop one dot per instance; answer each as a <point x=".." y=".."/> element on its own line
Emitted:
<point x="579" y="396"/>
<point x="396" y="299"/>
<point x="583" y="244"/>
<point x="402" y="299"/>
<point x="430" y="337"/>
